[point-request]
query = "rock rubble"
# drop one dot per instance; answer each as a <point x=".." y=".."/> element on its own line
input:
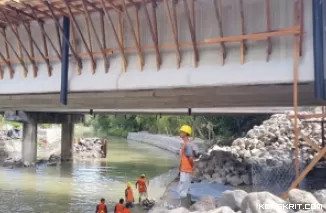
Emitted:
<point x="269" y="145"/>
<point x="90" y="148"/>
<point x="239" y="201"/>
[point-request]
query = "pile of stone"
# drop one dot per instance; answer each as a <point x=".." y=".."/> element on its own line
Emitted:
<point x="90" y="148"/>
<point x="268" y="145"/>
<point x="237" y="201"/>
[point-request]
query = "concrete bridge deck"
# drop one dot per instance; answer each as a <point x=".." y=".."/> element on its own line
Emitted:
<point x="161" y="54"/>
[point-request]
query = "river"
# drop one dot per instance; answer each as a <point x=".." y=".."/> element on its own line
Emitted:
<point x="77" y="187"/>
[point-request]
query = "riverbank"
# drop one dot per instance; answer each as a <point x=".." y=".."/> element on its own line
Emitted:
<point x="169" y="143"/>
<point x="49" y="148"/>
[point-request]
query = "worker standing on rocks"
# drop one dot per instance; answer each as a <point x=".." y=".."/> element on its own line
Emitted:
<point x="141" y="184"/>
<point x="186" y="163"/>
<point x="129" y="196"/>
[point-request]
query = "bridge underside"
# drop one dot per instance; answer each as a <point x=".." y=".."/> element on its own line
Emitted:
<point x="200" y="97"/>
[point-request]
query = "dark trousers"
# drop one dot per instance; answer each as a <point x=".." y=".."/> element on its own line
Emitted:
<point x="129" y="205"/>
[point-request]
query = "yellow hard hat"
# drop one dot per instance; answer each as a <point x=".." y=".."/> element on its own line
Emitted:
<point x="128" y="184"/>
<point x="186" y="129"/>
<point x="143" y="175"/>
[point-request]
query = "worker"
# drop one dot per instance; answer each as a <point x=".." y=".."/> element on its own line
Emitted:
<point x="141" y="184"/>
<point x="186" y="162"/>
<point x="119" y="207"/>
<point x="126" y="209"/>
<point x="101" y="207"/>
<point x="129" y="195"/>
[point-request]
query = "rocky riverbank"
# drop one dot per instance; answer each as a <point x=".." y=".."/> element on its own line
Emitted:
<point x="239" y="201"/>
<point x="268" y="146"/>
<point x="49" y="148"/>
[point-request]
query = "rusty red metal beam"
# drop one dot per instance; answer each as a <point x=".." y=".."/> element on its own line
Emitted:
<point x="243" y="47"/>
<point x="218" y="14"/>
<point x="16" y="33"/>
<point x="59" y="27"/>
<point x="32" y="41"/>
<point x="11" y="71"/>
<point x="268" y="28"/>
<point x="46" y="35"/>
<point x="109" y="19"/>
<point x="153" y="31"/>
<point x="15" y="52"/>
<point x="72" y="17"/>
<point x="174" y="29"/>
<point x="191" y="25"/>
<point x="139" y="50"/>
<point x="106" y="61"/>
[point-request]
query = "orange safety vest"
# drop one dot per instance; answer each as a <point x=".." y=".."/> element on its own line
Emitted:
<point x="141" y="185"/>
<point x="126" y="210"/>
<point x="185" y="165"/>
<point x="101" y="208"/>
<point x="119" y="208"/>
<point x="130" y="195"/>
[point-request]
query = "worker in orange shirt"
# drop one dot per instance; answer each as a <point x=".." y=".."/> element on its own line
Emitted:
<point x="186" y="161"/>
<point x="119" y="207"/>
<point x="101" y="207"/>
<point x="129" y="194"/>
<point x="141" y="184"/>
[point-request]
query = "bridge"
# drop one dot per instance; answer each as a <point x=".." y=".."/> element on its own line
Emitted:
<point x="105" y="54"/>
<point x="80" y="55"/>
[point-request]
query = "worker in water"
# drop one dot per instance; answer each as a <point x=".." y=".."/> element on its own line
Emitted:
<point x="129" y="195"/>
<point x="119" y="207"/>
<point x="141" y="185"/>
<point x="186" y="161"/>
<point x="101" y="207"/>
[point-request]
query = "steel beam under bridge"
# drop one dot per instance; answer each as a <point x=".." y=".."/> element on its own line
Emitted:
<point x="178" y="111"/>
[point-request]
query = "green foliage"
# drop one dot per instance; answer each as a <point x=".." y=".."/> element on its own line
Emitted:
<point x="13" y="124"/>
<point x="217" y="128"/>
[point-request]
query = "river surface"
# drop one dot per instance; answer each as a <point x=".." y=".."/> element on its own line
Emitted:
<point x="77" y="187"/>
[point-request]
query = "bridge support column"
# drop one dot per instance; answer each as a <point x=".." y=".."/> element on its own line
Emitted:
<point x="29" y="146"/>
<point x="67" y="135"/>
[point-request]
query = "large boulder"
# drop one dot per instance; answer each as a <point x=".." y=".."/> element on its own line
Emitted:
<point x="204" y="204"/>
<point x="254" y="203"/>
<point x="320" y="195"/>
<point x="232" y="199"/>
<point x="179" y="210"/>
<point x="224" y="209"/>
<point x="297" y="196"/>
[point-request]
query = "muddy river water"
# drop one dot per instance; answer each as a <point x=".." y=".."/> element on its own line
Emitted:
<point x="77" y="187"/>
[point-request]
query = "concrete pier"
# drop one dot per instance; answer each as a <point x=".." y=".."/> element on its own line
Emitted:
<point x="29" y="146"/>
<point x="67" y="135"/>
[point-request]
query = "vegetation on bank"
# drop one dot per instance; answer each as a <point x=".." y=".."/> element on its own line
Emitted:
<point x="206" y="127"/>
<point x="214" y="128"/>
